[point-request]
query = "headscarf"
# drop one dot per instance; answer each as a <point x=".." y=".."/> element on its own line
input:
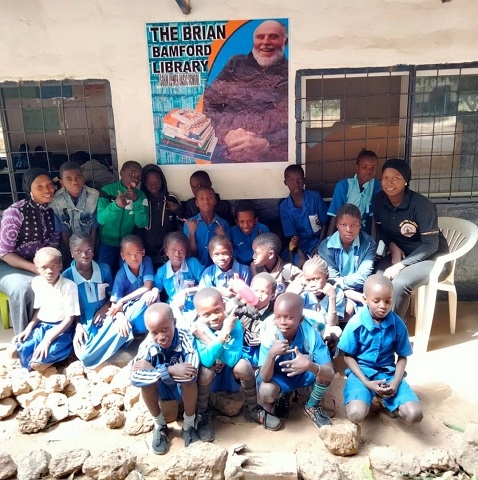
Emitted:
<point x="29" y="177"/>
<point x="401" y="166"/>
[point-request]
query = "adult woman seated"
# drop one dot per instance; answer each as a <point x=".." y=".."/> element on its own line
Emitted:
<point x="407" y="222"/>
<point x="26" y="226"/>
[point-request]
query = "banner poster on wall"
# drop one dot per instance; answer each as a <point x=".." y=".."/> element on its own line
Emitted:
<point x="219" y="91"/>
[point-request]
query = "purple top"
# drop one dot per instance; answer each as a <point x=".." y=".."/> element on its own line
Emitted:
<point x="26" y="227"/>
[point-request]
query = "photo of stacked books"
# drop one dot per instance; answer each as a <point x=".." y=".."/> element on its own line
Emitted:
<point x="188" y="132"/>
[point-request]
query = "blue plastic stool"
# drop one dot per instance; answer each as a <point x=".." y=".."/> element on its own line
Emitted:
<point x="4" y="310"/>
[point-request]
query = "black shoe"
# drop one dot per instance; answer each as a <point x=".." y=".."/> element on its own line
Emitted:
<point x="190" y="436"/>
<point x="261" y="416"/>
<point x="160" y="443"/>
<point x="385" y="410"/>
<point x="282" y="406"/>
<point x="316" y="414"/>
<point x="204" y="429"/>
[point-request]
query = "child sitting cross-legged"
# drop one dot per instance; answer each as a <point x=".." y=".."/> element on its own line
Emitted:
<point x="166" y="368"/>
<point x="219" y="344"/>
<point x="293" y="355"/>
<point x="370" y="341"/>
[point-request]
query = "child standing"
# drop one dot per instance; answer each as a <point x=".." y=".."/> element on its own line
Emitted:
<point x="245" y="231"/>
<point x="370" y="341"/>
<point x="224" y="268"/>
<point x="293" y="355"/>
<point x="48" y="337"/>
<point x="203" y="226"/>
<point x="121" y="208"/>
<point x="357" y="190"/>
<point x="133" y="288"/>
<point x="219" y="344"/>
<point x="303" y="213"/>
<point x="166" y="368"/>
<point x="96" y="336"/>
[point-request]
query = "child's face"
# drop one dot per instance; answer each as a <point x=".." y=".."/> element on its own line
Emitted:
<point x="262" y="288"/>
<point x="211" y="312"/>
<point x="221" y="256"/>
<point x="287" y="318"/>
<point x="176" y="253"/>
<point x="49" y="268"/>
<point x="294" y="181"/>
<point x="196" y="183"/>
<point x="379" y="299"/>
<point x="132" y="253"/>
<point x="315" y="280"/>
<point x="246" y="222"/>
<point x="366" y="169"/>
<point x="73" y="181"/>
<point x="82" y="253"/>
<point x="261" y="255"/>
<point x="206" y="201"/>
<point x="131" y="176"/>
<point x="153" y="183"/>
<point x="348" y="228"/>
<point x="161" y="328"/>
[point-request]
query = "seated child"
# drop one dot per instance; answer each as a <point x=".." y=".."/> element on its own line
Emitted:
<point x="357" y="190"/>
<point x="47" y="339"/>
<point x="245" y="231"/>
<point x="75" y="206"/>
<point x="218" y="340"/>
<point x="203" y="226"/>
<point x="303" y="213"/>
<point x="165" y="209"/>
<point x="96" y="336"/>
<point x="350" y="255"/>
<point x="133" y="288"/>
<point x="198" y="179"/>
<point x="224" y="268"/>
<point x="370" y="342"/>
<point x="180" y="275"/>
<point x="166" y="368"/>
<point x="293" y="355"/>
<point x="121" y="208"/>
<point x="266" y="258"/>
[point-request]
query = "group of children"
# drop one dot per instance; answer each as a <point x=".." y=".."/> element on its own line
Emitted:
<point x="188" y="292"/>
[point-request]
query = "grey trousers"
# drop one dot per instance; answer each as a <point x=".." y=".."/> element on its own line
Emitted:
<point x="16" y="283"/>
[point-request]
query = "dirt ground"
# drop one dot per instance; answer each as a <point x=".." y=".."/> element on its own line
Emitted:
<point x="444" y="379"/>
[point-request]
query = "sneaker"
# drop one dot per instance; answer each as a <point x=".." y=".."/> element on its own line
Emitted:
<point x="316" y="414"/>
<point x="261" y="416"/>
<point x="190" y="436"/>
<point x="204" y="428"/>
<point x="160" y="443"/>
<point x="385" y="410"/>
<point x="282" y="406"/>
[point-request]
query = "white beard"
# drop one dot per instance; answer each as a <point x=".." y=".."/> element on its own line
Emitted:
<point x="266" y="62"/>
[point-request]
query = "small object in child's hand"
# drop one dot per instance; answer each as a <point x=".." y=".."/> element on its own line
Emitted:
<point x="383" y="385"/>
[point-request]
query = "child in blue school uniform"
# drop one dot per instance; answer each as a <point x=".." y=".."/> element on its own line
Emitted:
<point x="218" y="341"/>
<point x="357" y="190"/>
<point x="293" y="355"/>
<point x="247" y="228"/>
<point x="133" y="288"/>
<point x="303" y="214"/>
<point x="224" y="268"/>
<point x="180" y="275"/>
<point x="205" y="225"/>
<point x="48" y="337"/>
<point x="371" y="341"/>
<point x="96" y="336"/>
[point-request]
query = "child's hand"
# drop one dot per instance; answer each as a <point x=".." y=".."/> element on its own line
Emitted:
<point x="114" y="309"/>
<point x="294" y="243"/>
<point x="394" y="270"/>
<point x="100" y="315"/>
<point x="182" y="372"/>
<point x="151" y="296"/>
<point x="279" y="347"/>
<point x="131" y="194"/>
<point x="122" y="325"/>
<point x="329" y="290"/>
<point x="331" y="340"/>
<point x="121" y="200"/>
<point x="80" y="336"/>
<point x="296" y="366"/>
<point x="380" y="388"/>
<point x="192" y="225"/>
<point x="41" y="351"/>
<point x="219" y="230"/>
<point x="142" y="365"/>
<point x="22" y="336"/>
<point x="229" y="323"/>
<point x="172" y="206"/>
<point x="225" y="292"/>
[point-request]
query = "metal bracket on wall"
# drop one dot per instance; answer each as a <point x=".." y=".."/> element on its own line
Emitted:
<point x="185" y="6"/>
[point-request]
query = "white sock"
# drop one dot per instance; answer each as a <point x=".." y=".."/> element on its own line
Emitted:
<point x="189" y="421"/>
<point x="159" y="421"/>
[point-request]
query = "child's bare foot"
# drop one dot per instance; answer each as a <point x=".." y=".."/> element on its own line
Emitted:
<point x="11" y="351"/>
<point x="40" y="367"/>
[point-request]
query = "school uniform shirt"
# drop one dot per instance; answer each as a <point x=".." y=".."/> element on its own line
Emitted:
<point x="348" y="190"/>
<point x="213" y="276"/>
<point x="92" y="293"/>
<point x="349" y="269"/>
<point x="127" y="282"/>
<point x="413" y="226"/>
<point x="305" y="222"/>
<point x="242" y="243"/>
<point x="181" y="350"/>
<point x="283" y="273"/>
<point x="204" y="233"/>
<point x="311" y="302"/>
<point x="374" y="345"/>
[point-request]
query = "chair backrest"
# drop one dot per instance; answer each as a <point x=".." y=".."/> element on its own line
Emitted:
<point x="461" y="236"/>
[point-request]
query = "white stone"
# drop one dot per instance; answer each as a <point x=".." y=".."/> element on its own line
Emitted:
<point x="68" y="462"/>
<point x="7" y="407"/>
<point x="34" y="465"/>
<point x="33" y="419"/>
<point x="8" y="468"/>
<point x="110" y="465"/>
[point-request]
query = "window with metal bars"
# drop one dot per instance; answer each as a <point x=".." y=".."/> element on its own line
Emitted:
<point x="427" y="114"/>
<point x="45" y="123"/>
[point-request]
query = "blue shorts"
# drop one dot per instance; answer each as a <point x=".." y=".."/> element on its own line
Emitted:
<point x="354" y="389"/>
<point x="251" y="354"/>
<point x="171" y="392"/>
<point x="224" y="381"/>
<point x="289" y="384"/>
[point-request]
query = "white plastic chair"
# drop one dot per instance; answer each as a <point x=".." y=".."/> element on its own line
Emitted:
<point x="461" y="236"/>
